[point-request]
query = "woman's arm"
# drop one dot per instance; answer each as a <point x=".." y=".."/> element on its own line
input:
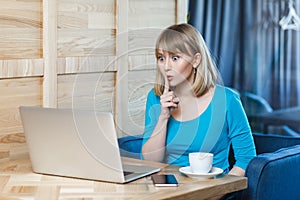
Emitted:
<point x="154" y="148"/>
<point x="241" y="137"/>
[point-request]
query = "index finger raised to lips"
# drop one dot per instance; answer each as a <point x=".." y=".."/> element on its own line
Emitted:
<point x="167" y="86"/>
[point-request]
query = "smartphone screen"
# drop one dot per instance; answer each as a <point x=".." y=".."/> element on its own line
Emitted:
<point x="164" y="180"/>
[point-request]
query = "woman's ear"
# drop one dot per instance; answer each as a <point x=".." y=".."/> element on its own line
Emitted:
<point x="197" y="60"/>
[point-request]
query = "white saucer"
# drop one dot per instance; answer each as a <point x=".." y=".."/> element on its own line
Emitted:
<point x="213" y="172"/>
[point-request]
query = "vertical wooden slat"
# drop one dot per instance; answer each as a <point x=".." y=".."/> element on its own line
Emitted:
<point x="50" y="53"/>
<point x="122" y="66"/>
<point x="181" y="11"/>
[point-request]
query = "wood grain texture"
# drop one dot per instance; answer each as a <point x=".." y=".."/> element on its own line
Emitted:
<point x="93" y="91"/>
<point x="87" y="6"/>
<point x="142" y="41"/>
<point x="17" y="181"/>
<point x="157" y="14"/>
<point x="146" y="61"/>
<point x="140" y="83"/>
<point x="86" y="64"/>
<point x="20" y="29"/>
<point x="85" y="42"/>
<point x="50" y="53"/>
<point x="20" y="43"/>
<point x="21" y="68"/>
<point x="86" y="28"/>
<point x="12" y="147"/>
<point x="14" y="93"/>
<point x="181" y="11"/>
<point x="86" y="14"/>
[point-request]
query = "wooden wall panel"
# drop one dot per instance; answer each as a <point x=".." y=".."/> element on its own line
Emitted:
<point x="155" y="13"/>
<point x="86" y="42"/>
<point x="21" y="68"/>
<point x="20" y="43"/>
<point x="92" y="91"/>
<point x="181" y="11"/>
<point x="86" y="28"/>
<point x="142" y="62"/>
<point x="140" y="83"/>
<point x="105" y="48"/>
<point x="142" y="41"/>
<point x="50" y="53"/>
<point x="20" y="29"/>
<point x="16" y="92"/>
<point x="20" y="56"/>
<point x="93" y="14"/>
<point x="86" y="64"/>
<point x="146" y="22"/>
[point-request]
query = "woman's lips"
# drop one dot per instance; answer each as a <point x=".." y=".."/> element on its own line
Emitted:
<point x="170" y="78"/>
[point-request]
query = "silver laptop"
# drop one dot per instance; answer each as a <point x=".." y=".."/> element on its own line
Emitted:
<point x="76" y="143"/>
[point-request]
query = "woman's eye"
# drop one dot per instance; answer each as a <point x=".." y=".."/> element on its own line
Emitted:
<point x="175" y="58"/>
<point x="160" y="58"/>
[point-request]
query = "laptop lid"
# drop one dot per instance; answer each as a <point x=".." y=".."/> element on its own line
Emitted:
<point x="75" y="143"/>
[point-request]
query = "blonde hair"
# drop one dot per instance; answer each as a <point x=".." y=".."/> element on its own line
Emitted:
<point x="187" y="40"/>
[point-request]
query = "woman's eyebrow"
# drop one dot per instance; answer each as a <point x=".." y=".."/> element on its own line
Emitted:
<point x="176" y="53"/>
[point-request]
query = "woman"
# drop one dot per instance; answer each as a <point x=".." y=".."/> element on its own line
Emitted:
<point x="187" y="111"/>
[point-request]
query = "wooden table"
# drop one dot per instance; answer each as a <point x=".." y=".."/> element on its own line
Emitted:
<point x="17" y="181"/>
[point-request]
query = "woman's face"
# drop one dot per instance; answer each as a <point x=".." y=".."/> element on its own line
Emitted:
<point x="175" y="67"/>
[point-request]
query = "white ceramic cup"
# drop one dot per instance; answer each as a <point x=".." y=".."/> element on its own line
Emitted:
<point x="201" y="162"/>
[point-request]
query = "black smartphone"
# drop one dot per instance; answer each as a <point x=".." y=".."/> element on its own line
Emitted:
<point x="164" y="180"/>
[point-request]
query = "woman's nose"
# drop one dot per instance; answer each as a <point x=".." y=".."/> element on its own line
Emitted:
<point x="167" y="64"/>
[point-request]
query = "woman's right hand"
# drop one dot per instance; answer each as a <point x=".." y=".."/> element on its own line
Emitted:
<point x="168" y="101"/>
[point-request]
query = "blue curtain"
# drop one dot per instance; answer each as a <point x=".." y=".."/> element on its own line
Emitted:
<point x="218" y="26"/>
<point x="252" y="50"/>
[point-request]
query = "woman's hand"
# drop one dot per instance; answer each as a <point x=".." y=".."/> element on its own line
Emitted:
<point x="237" y="171"/>
<point x="168" y="101"/>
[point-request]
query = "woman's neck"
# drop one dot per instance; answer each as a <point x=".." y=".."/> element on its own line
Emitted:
<point x="190" y="106"/>
<point x="184" y="90"/>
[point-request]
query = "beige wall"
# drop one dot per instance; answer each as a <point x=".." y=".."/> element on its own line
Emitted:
<point x="84" y="53"/>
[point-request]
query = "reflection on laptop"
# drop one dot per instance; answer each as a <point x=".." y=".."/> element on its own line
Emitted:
<point x="76" y="143"/>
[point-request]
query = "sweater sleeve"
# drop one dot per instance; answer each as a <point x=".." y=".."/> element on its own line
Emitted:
<point x="240" y="133"/>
